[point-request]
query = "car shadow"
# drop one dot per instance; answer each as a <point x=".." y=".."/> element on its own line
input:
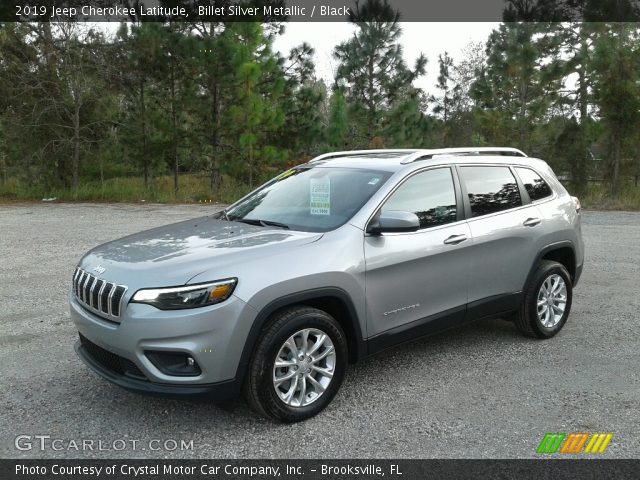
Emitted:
<point x="200" y="414"/>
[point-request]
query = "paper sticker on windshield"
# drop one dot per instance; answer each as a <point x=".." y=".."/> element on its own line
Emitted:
<point x="320" y="189"/>
<point x="374" y="181"/>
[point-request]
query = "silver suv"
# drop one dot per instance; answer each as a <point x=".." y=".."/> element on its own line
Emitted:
<point x="327" y="263"/>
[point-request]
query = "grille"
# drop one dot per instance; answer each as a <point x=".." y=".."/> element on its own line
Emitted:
<point x="110" y="360"/>
<point x="100" y="296"/>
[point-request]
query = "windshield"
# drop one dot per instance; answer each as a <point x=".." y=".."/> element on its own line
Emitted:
<point x="310" y="199"/>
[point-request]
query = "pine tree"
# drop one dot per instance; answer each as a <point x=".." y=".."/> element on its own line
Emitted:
<point x="572" y="45"/>
<point x="55" y="99"/>
<point x="517" y="87"/>
<point x="240" y="83"/>
<point x="255" y="114"/>
<point x="443" y="102"/>
<point x="303" y="104"/>
<point x="372" y="72"/>
<point x="617" y="77"/>
<point x="463" y="128"/>
<point x="141" y="134"/>
<point x="338" y="127"/>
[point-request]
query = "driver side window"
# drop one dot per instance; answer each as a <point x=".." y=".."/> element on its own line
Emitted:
<point x="429" y="194"/>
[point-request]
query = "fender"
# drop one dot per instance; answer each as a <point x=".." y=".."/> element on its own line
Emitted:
<point x="300" y="298"/>
<point x="543" y="252"/>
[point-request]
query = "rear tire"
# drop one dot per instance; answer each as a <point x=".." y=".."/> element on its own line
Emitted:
<point x="547" y="301"/>
<point x="311" y="350"/>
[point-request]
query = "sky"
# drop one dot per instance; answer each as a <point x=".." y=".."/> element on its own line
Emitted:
<point x="431" y="39"/>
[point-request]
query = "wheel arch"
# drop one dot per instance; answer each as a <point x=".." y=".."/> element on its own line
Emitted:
<point x="335" y="301"/>
<point x="562" y="252"/>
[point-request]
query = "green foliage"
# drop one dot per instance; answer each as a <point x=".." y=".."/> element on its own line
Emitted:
<point x="372" y="72"/>
<point x="518" y="86"/>
<point x="599" y="196"/>
<point x="443" y="102"/>
<point x="130" y="189"/>
<point x="338" y="128"/>
<point x="617" y="90"/>
<point x="53" y="103"/>
<point x="201" y="111"/>
<point x="303" y="100"/>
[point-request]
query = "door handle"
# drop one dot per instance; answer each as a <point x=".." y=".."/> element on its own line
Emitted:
<point x="531" y="222"/>
<point x="455" y="239"/>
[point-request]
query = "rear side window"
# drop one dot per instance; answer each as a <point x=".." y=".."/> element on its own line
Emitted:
<point x="490" y="189"/>
<point x="536" y="187"/>
<point x="430" y="195"/>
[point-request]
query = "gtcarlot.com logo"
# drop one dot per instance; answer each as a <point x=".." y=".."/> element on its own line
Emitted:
<point x="574" y="443"/>
<point x="46" y="442"/>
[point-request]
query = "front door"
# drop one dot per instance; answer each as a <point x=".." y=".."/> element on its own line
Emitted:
<point x="415" y="278"/>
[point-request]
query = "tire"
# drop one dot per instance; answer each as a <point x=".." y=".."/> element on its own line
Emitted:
<point x="275" y="392"/>
<point x="550" y="320"/>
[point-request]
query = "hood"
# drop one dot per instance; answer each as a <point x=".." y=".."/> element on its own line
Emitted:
<point x="173" y="254"/>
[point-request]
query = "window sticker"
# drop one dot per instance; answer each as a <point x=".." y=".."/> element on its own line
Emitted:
<point x="374" y="181"/>
<point x="320" y="189"/>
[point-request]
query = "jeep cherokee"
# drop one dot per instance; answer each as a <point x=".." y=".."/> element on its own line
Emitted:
<point x="327" y="263"/>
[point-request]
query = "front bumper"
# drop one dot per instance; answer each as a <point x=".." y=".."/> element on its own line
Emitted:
<point x="218" y="391"/>
<point x="214" y="336"/>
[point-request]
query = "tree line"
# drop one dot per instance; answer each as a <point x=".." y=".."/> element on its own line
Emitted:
<point x="215" y="99"/>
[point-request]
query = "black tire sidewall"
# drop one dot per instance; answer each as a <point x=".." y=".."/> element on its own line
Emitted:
<point x="546" y="270"/>
<point x="269" y="399"/>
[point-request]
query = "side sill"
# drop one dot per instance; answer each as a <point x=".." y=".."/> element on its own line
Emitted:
<point x="414" y="330"/>
<point x="494" y="306"/>
<point x="433" y="324"/>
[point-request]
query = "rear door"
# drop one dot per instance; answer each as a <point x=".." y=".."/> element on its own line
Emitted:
<point x="411" y="278"/>
<point x="504" y="226"/>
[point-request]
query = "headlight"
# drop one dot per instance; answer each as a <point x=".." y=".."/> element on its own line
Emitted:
<point x="190" y="296"/>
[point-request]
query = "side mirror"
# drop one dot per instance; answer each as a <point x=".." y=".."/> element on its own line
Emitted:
<point x="394" y="221"/>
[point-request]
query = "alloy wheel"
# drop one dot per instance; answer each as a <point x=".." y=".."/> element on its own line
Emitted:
<point x="552" y="300"/>
<point x="304" y="367"/>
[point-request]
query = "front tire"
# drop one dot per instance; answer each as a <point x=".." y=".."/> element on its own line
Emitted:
<point x="547" y="301"/>
<point x="298" y="365"/>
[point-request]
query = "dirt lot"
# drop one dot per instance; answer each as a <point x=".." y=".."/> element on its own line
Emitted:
<point x="479" y="391"/>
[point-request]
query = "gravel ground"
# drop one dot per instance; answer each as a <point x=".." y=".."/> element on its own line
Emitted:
<point x="475" y="392"/>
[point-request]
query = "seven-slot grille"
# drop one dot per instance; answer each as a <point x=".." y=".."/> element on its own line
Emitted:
<point x="99" y="295"/>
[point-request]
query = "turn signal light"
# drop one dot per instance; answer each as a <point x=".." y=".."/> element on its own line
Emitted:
<point x="221" y="292"/>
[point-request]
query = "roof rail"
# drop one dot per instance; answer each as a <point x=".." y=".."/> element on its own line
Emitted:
<point x="430" y="153"/>
<point x="353" y="153"/>
<point x="413" y="155"/>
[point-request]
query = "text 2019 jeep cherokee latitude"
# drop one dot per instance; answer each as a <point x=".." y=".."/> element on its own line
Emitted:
<point x="327" y="263"/>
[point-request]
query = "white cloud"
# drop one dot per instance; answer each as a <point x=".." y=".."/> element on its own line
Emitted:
<point x="430" y="38"/>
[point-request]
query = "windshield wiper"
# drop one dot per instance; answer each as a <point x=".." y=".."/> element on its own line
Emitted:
<point x="262" y="223"/>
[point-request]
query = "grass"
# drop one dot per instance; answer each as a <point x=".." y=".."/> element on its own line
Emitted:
<point x="599" y="197"/>
<point x="192" y="189"/>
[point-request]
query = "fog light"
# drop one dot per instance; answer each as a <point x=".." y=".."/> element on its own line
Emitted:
<point x="177" y="364"/>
